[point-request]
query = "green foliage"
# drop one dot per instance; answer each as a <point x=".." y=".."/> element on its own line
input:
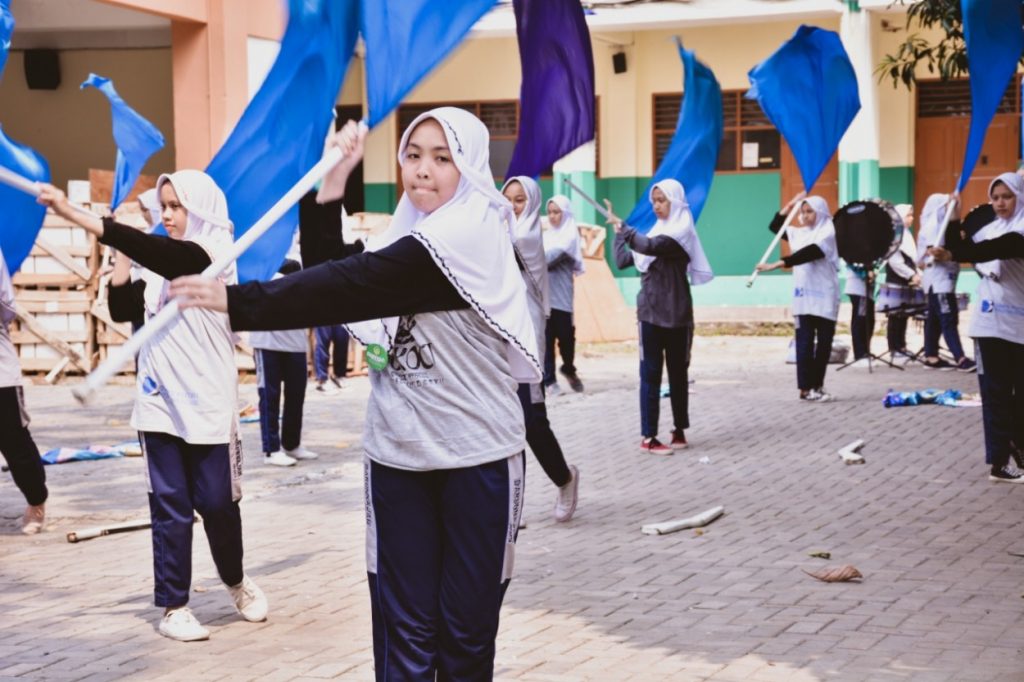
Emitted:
<point x="947" y="58"/>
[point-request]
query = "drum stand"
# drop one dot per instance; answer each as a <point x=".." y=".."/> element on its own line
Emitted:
<point x="871" y="357"/>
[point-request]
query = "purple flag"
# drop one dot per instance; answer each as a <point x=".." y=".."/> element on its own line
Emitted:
<point x="557" y="95"/>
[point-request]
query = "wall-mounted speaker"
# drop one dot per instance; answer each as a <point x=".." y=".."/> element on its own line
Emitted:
<point x="42" y="69"/>
<point x="619" y="62"/>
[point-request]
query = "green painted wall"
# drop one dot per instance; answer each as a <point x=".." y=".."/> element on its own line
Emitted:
<point x="897" y="184"/>
<point x="380" y="197"/>
<point x="858" y="180"/>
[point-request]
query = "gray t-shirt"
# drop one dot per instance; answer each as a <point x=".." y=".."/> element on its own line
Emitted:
<point x="560" y="283"/>
<point x="446" y="399"/>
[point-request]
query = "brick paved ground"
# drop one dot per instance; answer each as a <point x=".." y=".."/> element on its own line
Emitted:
<point x="592" y="599"/>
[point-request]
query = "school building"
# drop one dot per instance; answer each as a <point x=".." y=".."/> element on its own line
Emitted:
<point x="190" y="66"/>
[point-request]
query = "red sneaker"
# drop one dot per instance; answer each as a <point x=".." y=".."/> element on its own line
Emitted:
<point x="678" y="440"/>
<point x="655" y="447"/>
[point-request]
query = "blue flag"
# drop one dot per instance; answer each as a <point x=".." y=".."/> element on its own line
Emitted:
<point x="281" y="133"/>
<point x="136" y="138"/>
<point x="405" y="39"/>
<point x="6" y="31"/>
<point x="808" y="89"/>
<point x="22" y="216"/>
<point x="557" y="95"/>
<point x="692" y="155"/>
<point x="992" y="31"/>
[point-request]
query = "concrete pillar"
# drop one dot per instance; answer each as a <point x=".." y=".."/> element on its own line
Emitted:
<point x="859" y="148"/>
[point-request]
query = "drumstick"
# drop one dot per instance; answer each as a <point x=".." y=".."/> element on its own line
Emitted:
<point x="775" y="242"/>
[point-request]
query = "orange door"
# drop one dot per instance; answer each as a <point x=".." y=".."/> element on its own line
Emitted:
<point x="827" y="185"/>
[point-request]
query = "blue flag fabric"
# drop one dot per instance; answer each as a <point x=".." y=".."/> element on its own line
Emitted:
<point x="808" y="89"/>
<point x="693" y="153"/>
<point x="136" y="138"/>
<point x="22" y="216"/>
<point x="995" y="39"/>
<point x="281" y="133"/>
<point x="405" y="39"/>
<point x="557" y="95"/>
<point x="6" y="31"/>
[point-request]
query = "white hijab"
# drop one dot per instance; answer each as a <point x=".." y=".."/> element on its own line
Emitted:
<point x="565" y="237"/>
<point x="679" y="226"/>
<point x="822" y="233"/>
<point x="1001" y="226"/>
<point x="469" y="239"/>
<point x="529" y="241"/>
<point x="930" y="231"/>
<point x="208" y="225"/>
<point x="150" y="202"/>
<point x="908" y="246"/>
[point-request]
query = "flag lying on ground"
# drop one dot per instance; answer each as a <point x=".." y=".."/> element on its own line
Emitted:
<point x="557" y="94"/>
<point x="692" y="155"/>
<point x="808" y="89"/>
<point x="405" y="39"/>
<point x="281" y="133"/>
<point x="994" y="37"/>
<point x="136" y="138"/>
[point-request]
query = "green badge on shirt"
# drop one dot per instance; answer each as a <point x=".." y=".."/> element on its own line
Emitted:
<point x="376" y="356"/>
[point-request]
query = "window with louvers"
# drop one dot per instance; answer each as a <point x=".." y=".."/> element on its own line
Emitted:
<point x="937" y="99"/>
<point x="749" y="140"/>
<point x="502" y="120"/>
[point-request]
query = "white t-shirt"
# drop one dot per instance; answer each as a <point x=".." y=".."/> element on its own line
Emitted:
<point x="187" y="383"/>
<point x="10" y="370"/>
<point x="816" y="284"/>
<point x="285" y="340"/>
<point x="998" y="307"/>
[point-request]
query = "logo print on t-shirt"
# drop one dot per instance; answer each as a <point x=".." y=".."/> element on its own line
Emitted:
<point x="149" y="386"/>
<point x="406" y="354"/>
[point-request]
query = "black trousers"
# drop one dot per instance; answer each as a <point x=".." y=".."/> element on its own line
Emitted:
<point x="1001" y="378"/>
<point x="813" y="349"/>
<point x="542" y="440"/>
<point x="559" y="328"/>
<point x="18" y="448"/>
<point x="862" y="325"/>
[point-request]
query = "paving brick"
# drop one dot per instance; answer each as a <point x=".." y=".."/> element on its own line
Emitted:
<point x="592" y="599"/>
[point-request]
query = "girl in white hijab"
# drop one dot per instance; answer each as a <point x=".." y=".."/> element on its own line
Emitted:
<point x="938" y="279"/>
<point x="997" y="321"/>
<point x="815" y="263"/>
<point x="670" y="258"/>
<point x="901" y="270"/>
<point x="442" y="307"/>
<point x="186" y="400"/>
<point x="565" y="262"/>
<point x="524" y="195"/>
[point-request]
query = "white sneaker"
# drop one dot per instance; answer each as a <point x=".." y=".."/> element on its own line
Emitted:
<point x="279" y="459"/>
<point x="301" y="453"/>
<point x="823" y="397"/>
<point x="249" y="600"/>
<point x="182" y="626"/>
<point x="568" y="496"/>
<point x="553" y="390"/>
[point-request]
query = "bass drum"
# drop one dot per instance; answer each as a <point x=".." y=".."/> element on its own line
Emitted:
<point x="867" y="232"/>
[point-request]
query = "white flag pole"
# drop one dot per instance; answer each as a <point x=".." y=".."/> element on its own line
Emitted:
<point x="775" y="242"/>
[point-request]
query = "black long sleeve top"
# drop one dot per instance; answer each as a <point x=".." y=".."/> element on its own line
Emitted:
<point x="1010" y="245"/>
<point x="664" y="299"/>
<point x="167" y="257"/>
<point x="811" y="252"/>
<point x="400" y="279"/>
